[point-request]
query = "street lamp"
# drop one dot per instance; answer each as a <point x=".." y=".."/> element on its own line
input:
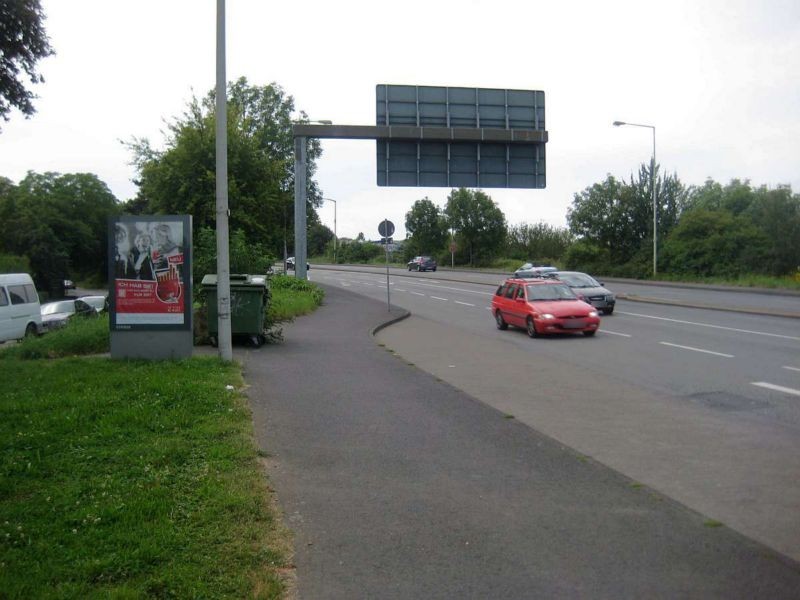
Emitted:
<point x="335" y="237"/>
<point x="653" y="183"/>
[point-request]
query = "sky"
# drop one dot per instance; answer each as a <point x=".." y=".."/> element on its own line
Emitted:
<point x="718" y="80"/>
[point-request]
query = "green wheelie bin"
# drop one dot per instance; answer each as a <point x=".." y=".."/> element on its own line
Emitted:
<point x="249" y="300"/>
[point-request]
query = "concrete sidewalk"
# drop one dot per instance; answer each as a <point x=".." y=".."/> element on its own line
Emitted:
<point x="398" y="485"/>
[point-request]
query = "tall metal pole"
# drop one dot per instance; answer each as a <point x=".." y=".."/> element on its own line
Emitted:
<point x="335" y="235"/>
<point x="300" y="160"/>
<point x="655" y="211"/>
<point x="223" y="261"/>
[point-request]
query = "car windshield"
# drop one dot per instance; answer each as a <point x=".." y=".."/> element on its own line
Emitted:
<point x="550" y="292"/>
<point x="579" y="280"/>
<point x="68" y="306"/>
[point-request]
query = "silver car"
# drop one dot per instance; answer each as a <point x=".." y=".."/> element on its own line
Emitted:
<point x="588" y="289"/>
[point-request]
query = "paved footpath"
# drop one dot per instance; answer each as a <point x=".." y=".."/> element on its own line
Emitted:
<point x="397" y="485"/>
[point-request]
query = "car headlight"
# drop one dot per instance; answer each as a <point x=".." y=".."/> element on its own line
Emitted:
<point x="547" y="316"/>
<point x="592" y="313"/>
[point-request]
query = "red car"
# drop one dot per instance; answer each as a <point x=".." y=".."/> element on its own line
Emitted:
<point x="542" y="306"/>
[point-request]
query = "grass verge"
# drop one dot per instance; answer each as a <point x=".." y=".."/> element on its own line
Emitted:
<point x="132" y="479"/>
<point x="291" y="297"/>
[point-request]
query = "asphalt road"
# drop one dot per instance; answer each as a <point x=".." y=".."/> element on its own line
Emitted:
<point x="704" y="405"/>
<point x="398" y="485"/>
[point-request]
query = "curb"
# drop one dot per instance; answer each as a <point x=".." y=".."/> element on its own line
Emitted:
<point x="405" y="314"/>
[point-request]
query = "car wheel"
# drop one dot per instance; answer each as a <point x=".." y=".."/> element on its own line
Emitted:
<point x="434" y="269"/>
<point x="590" y="333"/>
<point x="608" y="311"/>
<point x="501" y="323"/>
<point x="30" y="331"/>
<point x="409" y="268"/>
<point x="530" y="327"/>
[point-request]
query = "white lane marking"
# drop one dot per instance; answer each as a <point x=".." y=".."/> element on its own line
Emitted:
<point x="614" y="333"/>
<point x="697" y="349"/>
<point x="454" y="289"/>
<point x="488" y="308"/>
<point x="416" y="293"/>
<point x="364" y="283"/>
<point x="468" y="304"/>
<point x="400" y="290"/>
<point x="777" y="335"/>
<point x="792" y="369"/>
<point x="777" y="388"/>
<point x="437" y="298"/>
<point x="343" y="284"/>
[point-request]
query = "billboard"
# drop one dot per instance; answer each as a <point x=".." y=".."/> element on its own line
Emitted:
<point x="150" y="272"/>
<point x="473" y="157"/>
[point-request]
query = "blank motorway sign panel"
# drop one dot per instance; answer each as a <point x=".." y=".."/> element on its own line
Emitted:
<point x="460" y="163"/>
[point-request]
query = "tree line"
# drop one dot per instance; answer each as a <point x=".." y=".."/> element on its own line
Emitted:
<point x="703" y="231"/>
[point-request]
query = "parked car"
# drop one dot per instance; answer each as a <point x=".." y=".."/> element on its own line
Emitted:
<point x="290" y="264"/>
<point x="20" y="314"/>
<point x="529" y="270"/>
<point x="422" y="263"/>
<point x="588" y="289"/>
<point x="542" y="306"/>
<point x="99" y="303"/>
<point x="56" y="314"/>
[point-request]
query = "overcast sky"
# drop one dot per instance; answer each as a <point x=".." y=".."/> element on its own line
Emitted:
<point x="718" y="79"/>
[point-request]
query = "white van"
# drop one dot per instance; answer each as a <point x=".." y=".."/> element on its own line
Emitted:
<point x="20" y="314"/>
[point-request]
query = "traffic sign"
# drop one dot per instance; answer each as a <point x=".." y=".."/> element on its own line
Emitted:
<point x="496" y="137"/>
<point x="386" y="228"/>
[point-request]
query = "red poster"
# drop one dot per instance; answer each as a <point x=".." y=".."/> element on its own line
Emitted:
<point x="149" y="284"/>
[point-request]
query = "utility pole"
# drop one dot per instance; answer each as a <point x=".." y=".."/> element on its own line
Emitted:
<point x="223" y="259"/>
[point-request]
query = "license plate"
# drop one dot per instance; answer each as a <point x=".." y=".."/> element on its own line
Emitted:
<point x="574" y="325"/>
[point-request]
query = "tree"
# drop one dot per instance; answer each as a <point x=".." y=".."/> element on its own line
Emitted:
<point x="537" y="242"/>
<point x="60" y="223"/>
<point x="715" y="242"/>
<point x="479" y="224"/>
<point x="775" y="212"/>
<point x="182" y="178"/>
<point x="23" y="42"/>
<point x="427" y="227"/>
<point x="618" y="216"/>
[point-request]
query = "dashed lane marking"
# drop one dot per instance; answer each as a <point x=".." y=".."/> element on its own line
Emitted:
<point x="777" y="388"/>
<point x="697" y="350"/>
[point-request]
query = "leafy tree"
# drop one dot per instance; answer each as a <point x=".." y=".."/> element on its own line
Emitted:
<point x="358" y="251"/>
<point x="618" y="216"/>
<point x="478" y="223"/>
<point x="182" y="178"/>
<point x="60" y="223"/>
<point x="715" y="242"/>
<point x="776" y="214"/>
<point x="427" y="228"/>
<point x="319" y="237"/>
<point x="23" y="42"/>
<point x="245" y="256"/>
<point x="537" y="242"/>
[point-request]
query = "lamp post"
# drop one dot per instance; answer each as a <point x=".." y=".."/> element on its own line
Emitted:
<point x="335" y="237"/>
<point x="653" y="184"/>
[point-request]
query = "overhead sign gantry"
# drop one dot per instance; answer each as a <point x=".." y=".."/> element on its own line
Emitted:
<point x="440" y="137"/>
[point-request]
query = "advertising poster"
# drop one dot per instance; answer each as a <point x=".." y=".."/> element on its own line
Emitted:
<point x="150" y="272"/>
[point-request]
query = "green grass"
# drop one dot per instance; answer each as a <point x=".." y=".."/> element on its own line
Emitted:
<point x="80" y="336"/>
<point x="291" y="297"/>
<point x="132" y="479"/>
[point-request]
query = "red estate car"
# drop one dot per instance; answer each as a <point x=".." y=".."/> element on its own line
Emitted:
<point x="542" y="306"/>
